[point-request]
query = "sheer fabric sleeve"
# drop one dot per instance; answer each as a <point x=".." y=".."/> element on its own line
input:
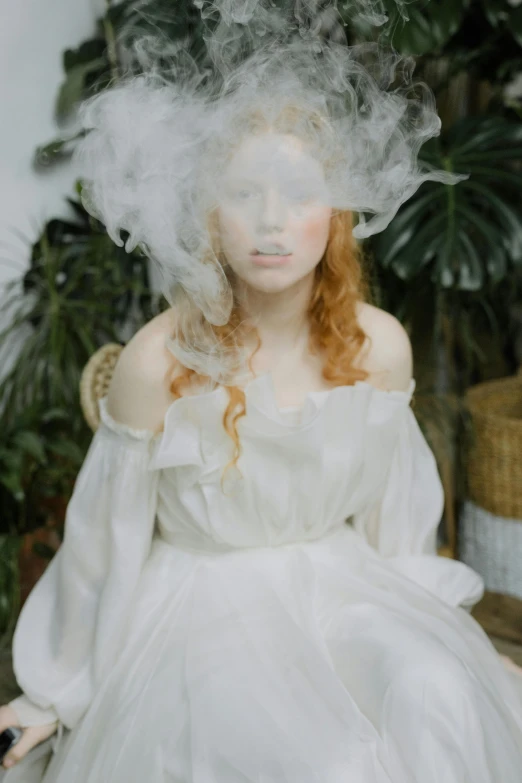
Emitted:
<point x="402" y="522"/>
<point x="70" y="627"/>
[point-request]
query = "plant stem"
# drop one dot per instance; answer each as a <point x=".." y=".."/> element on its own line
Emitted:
<point x="110" y="37"/>
<point x="446" y="314"/>
<point x="450" y="192"/>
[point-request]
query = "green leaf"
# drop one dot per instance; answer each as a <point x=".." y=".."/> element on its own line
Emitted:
<point x="429" y="26"/>
<point x="117" y="12"/>
<point x="496" y="11"/>
<point x="54" y="414"/>
<point x="53" y="151"/>
<point x="497" y="174"/>
<point x="12" y="484"/>
<point x="515" y="24"/>
<point x="510" y="220"/>
<point x="31" y="443"/>
<point x="496" y="259"/>
<point x="471" y="274"/>
<point x="68" y="448"/>
<point x="469" y="234"/>
<point x="482" y="133"/>
<point x="403" y="226"/>
<point x="72" y="89"/>
<point x="85" y="53"/>
<point x="408" y="263"/>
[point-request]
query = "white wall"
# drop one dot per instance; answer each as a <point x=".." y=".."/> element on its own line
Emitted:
<point x="33" y="35"/>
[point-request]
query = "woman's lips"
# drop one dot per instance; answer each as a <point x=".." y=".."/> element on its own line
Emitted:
<point x="270" y="260"/>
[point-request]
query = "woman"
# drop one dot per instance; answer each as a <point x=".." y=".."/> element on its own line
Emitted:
<point x="248" y="588"/>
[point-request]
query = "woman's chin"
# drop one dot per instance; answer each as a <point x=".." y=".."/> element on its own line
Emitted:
<point x="272" y="277"/>
<point x="277" y="280"/>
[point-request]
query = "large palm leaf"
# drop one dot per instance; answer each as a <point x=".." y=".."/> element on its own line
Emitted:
<point x="468" y="234"/>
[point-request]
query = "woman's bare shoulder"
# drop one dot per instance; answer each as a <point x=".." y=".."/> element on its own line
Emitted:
<point x="387" y="353"/>
<point x="139" y="393"/>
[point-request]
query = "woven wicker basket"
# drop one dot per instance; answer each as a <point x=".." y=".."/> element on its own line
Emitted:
<point x="495" y="458"/>
<point x="492" y="546"/>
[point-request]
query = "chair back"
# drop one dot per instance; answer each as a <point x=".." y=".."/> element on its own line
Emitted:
<point x="95" y="381"/>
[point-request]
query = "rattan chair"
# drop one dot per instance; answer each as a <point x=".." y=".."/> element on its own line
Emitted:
<point x="95" y="380"/>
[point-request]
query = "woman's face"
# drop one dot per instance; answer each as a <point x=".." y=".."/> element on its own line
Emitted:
<point x="273" y="212"/>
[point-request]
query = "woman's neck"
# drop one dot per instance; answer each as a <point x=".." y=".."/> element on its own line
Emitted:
<point x="280" y="318"/>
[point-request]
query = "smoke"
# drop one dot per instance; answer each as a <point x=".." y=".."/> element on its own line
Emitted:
<point x="159" y="140"/>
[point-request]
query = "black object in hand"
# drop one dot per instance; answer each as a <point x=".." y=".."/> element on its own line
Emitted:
<point x="8" y="738"/>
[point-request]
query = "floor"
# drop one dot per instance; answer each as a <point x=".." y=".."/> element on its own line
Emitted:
<point x="499" y="615"/>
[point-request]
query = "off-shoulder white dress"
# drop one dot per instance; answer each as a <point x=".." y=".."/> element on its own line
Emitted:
<point x="295" y="626"/>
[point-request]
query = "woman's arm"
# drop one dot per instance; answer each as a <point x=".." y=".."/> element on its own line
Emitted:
<point x="402" y="521"/>
<point x="69" y="630"/>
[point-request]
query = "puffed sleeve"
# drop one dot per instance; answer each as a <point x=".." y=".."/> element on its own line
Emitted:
<point x="69" y="629"/>
<point x="402" y="522"/>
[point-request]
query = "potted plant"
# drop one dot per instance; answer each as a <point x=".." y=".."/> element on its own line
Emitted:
<point x="78" y="293"/>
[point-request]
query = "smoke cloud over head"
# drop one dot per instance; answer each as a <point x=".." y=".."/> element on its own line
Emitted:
<point x="154" y="160"/>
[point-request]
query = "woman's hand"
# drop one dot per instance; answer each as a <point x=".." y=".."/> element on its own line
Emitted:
<point x="32" y="735"/>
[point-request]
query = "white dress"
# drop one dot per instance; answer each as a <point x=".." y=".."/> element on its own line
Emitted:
<point x="295" y="628"/>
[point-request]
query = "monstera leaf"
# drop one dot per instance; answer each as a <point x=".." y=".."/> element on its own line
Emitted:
<point x="466" y="234"/>
<point x="429" y="25"/>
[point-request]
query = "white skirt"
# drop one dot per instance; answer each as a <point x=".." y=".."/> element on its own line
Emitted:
<point x="316" y="662"/>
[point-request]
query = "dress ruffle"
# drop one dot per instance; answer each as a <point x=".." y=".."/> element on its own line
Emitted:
<point x="129" y="433"/>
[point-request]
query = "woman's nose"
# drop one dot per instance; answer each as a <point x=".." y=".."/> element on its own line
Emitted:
<point x="272" y="215"/>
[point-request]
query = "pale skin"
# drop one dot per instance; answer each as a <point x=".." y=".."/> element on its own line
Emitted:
<point x="272" y="192"/>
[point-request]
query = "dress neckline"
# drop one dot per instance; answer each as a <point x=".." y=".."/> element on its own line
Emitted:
<point x="260" y="401"/>
<point x="261" y="378"/>
<point x="262" y="414"/>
